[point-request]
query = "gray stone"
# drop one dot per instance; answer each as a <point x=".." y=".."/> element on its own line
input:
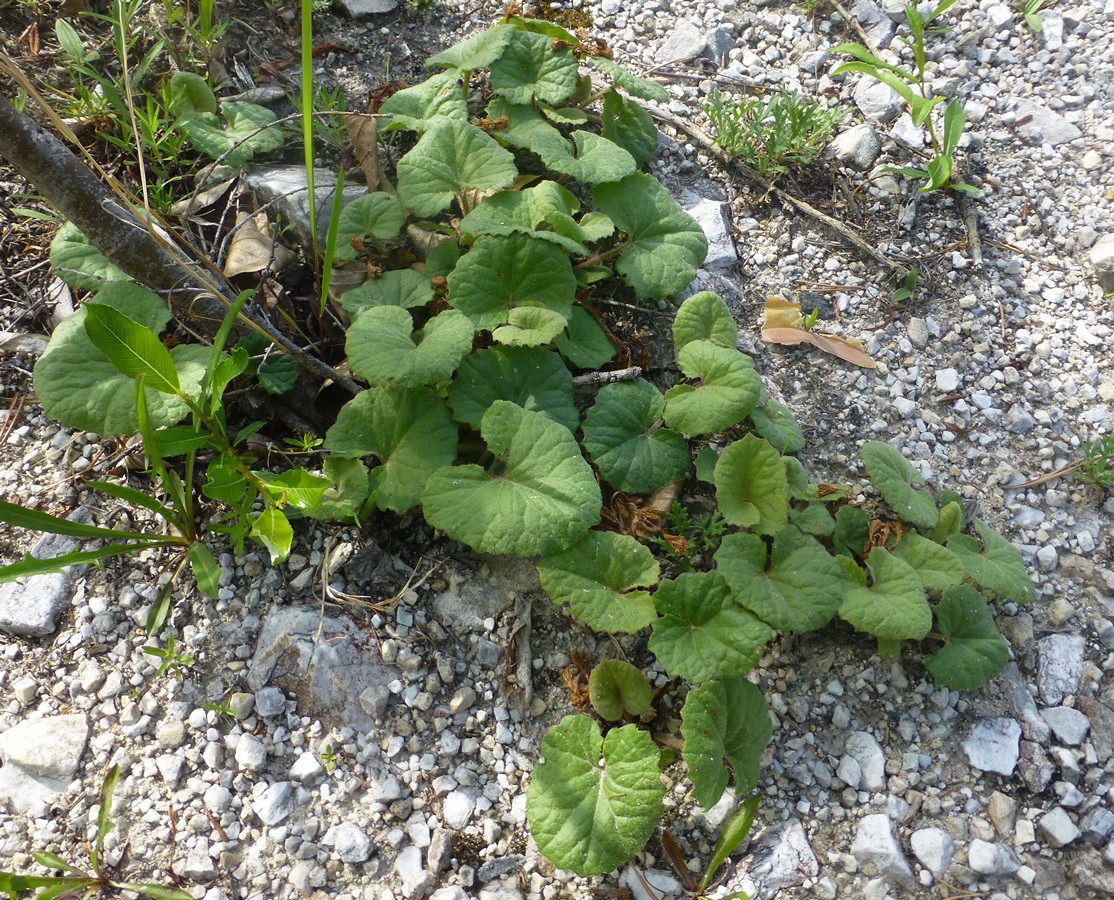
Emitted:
<point x="988" y="858"/>
<point x="934" y="849"/>
<point x="878" y="25"/>
<point x="362" y="9"/>
<point x="462" y="699"/>
<point x="661" y="884"/>
<point x="685" y="42"/>
<point x="497" y="868"/>
<point x="1101" y="718"/>
<point x="40" y="758"/>
<point x="917" y="329"/>
<point x="1047" y="558"/>
<point x="1033" y="726"/>
<point x="1034" y="767"/>
<point x="1059" y="666"/>
<point x="416" y="881"/>
<point x="170" y="734"/>
<point x="251" y="755"/>
<point x="350" y="843"/>
<point x="283" y="188"/>
<point x="1069" y="725"/>
<point x="877" y="849"/>
<point x="867" y="752"/>
<point x="439" y="855"/>
<point x="458" y="807"/>
<point x="1098" y="826"/>
<point x="784" y="861"/>
<point x="374" y="701"/>
<point x="1002" y="811"/>
<point x="856" y="147"/>
<point x="1019" y="420"/>
<point x="217" y="798"/>
<point x="947" y="380"/>
<point x="198" y="865"/>
<point x="814" y="61"/>
<point x="242" y="704"/>
<point x="1101" y="255"/>
<point x="878" y="102"/>
<point x="325" y="663"/>
<point x="717" y="44"/>
<point x="849" y="772"/>
<point x="1058" y="828"/>
<point x="1068" y="794"/>
<point x="455" y="892"/>
<point x="714" y="218"/>
<point x="1043" y="126"/>
<point x="307" y="768"/>
<point x="170" y="767"/>
<point x="487" y="654"/>
<point x="992" y="745"/>
<point x="270" y="702"/>
<point x="274" y="802"/>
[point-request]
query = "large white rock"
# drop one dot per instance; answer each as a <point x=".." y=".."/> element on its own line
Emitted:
<point x="877" y="849"/>
<point x="40" y="757"/>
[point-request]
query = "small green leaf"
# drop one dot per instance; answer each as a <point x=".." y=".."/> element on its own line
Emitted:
<point x="404" y="288"/>
<point x="999" y="568"/>
<point x="724" y="720"/>
<point x="891" y="474"/>
<point x="813" y="519"/>
<point x="974" y="652"/>
<point x="134" y="350"/>
<point x="585" y="344"/>
<point x="378" y="214"/>
<point x="616" y="688"/>
<point x="205" y="569"/>
<point x="623" y="437"/>
<point x="534" y="212"/>
<point x="409" y="431"/>
<point x="589" y="817"/>
<point x="528" y="69"/>
<point x="751" y="485"/>
<point x="704" y="317"/>
<point x="77" y="262"/>
<point x="348" y="491"/>
<point x="188" y="93"/>
<point x="70" y="41"/>
<point x="272" y="529"/>
<point x="734" y="831"/>
<point x="417" y="108"/>
<point x="937" y="567"/>
<point x="278" y="373"/>
<point x="803" y="588"/>
<point x="529" y="325"/>
<point x="630" y="126"/>
<point x="383" y="348"/>
<point x="727" y="393"/>
<point x="665" y="244"/>
<point x="703" y="633"/>
<point x="775" y="422"/>
<point x="642" y="88"/>
<point x="599" y="578"/>
<point x="295" y="487"/>
<point x="530" y="377"/>
<point x="541" y="498"/>
<point x="597" y="160"/>
<point x="224" y="481"/>
<point x="852" y="531"/>
<point x="953" y="519"/>
<point x="450" y="158"/>
<point x="247" y="132"/>
<point x="705" y="465"/>
<point x="477" y="52"/>
<point x="894" y="607"/>
<point x="503" y="272"/>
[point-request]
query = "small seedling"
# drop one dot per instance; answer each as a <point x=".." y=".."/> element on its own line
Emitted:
<point x="1030" y="10"/>
<point x="1097" y="466"/>
<point x="173" y="660"/>
<point x="907" y="289"/>
<point x="329" y="758"/>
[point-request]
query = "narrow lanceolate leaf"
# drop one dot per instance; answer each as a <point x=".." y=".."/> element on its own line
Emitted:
<point x="703" y="632"/>
<point x="728" y="390"/>
<point x="32" y="565"/>
<point x="531" y="377"/>
<point x="704" y="317"/>
<point x="272" y="529"/>
<point x="894" y="607"/>
<point x="451" y="157"/>
<point x="589" y="817"/>
<point x="529" y="69"/>
<point x="724" y="720"/>
<point x="751" y="485"/>
<point x="938" y="568"/>
<point x="133" y="349"/>
<point x="665" y="244"/>
<point x="541" y="498"/>
<point x="998" y="568"/>
<point x="802" y="589"/>
<point x="601" y="579"/>
<point x="974" y="652"/>
<point x="623" y="437"/>
<point x="36" y="520"/>
<point x="408" y="430"/>
<point x="383" y="348"/>
<point x="893" y="476"/>
<point x="205" y="569"/>
<point x="616" y="688"/>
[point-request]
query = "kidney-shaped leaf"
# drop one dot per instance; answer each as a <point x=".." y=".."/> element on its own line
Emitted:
<point x="894" y="607"/>
<point x="416" y="108"/>
<point x="585" y="344"/>
<point x="775" y="422"/>
<point x="597" y="160"/>
<point x="620" y="434"/>
<point x="938" y="568"/>
<point x="589" y="817"/>
<point x="665" y="244"/>
<point x="540" y="498"/>
<point x="533" y="212"/>
<point x="615" y="688"/>
<point x="477" y="52"/>
<point x="703" y="632"/>
<point x="529" y="325"/>
<point x="752" y="488"/>
<point x="531" y="377"/>
<point x="974" y="651"/>
<point x="450" y="158"/>
<point x="599" y="579"/>
<point x="724" y="720"/>
<point x="529" y="68"/>
<point x="526" y="129"/>
<point x="77" y="262"/>
<point x="408" y="430"/>
<point x="704" y="317"/>
<point x="378" y="214"/>
<point x="802" y="589"/>
<point x="401" y="287"/>
<point x="383" y="348"/>
<point x="729" y="387"/>
<point x="999" y="568"/>
<point x="893" y="476"/>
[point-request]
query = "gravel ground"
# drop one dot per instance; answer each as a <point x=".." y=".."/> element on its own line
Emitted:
<point x="398" y="767"/>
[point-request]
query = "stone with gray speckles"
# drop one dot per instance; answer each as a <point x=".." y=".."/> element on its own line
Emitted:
<point x="992" y="745"/>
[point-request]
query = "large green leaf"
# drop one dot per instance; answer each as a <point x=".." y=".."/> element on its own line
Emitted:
<point x="477" y="52"/>
<point x="597" y="160"/>
<point x="535" y="212"/>
<point x="531" y="377"/>
<point x="998" y="568"/>
<point x="77" y="262"/>
<point x="409" y="431"/>
<point x="751" y="486"/>
<point x="402" y="287"/>
<point x="133" y="349"/>
<point x="728" y="390"/>
<point x="450" y="158"/>
<point x="248" y="131"/>
<point x="703" y="632"/>
<point x="539" y="498"/>
<point x="630" y="126"/>
<point x="295" y="487"/>
<point x="529" y="325"/>
<point x="530" y="69"/>
<point x="616" y="688"/>
<point x="724" y="720"/>
<point x="585" y="344"/>
<point x="599" y="578"/>
<point x="622" y="434"/>
<point x="803" y="588"/>
<point x="505" y="271"/>
<point x="378" y="214"/>
<point x="894" y="607"/>
<point x="892" y="475"/>
<point x="416" y="108"/>
<point x="527" y="129"/>
<point x="704" y="317"/>
<point x="642" y="88"/>
<point x="665" y="244"/>
<point x="774" y="421"/>
<point x="272" y="529"/>
<point x="383" y="348"/>
<point x="973" y="652"/>
<point x="589" y="817"/>
<point x="938" y="568"/>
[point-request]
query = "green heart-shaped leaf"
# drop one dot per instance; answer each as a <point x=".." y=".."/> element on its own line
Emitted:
<point x="417" y="108"/>
<point x="974" y="652"/>
<point x="530" y="69"/>
<point x="247" y="132"/>
<point x="704" y="317"/>
<point x="938" y="568"/>
<point x="892" y="475"/>
<point x="751" y="486"/>
<point x="630" y="126"/>
<point x="999" y="568"/>
<point x="616" y="688"/>
<point x="597" y="160"/>
<point x="382" y="348"/>
<point x="77" y="262"/>
<point x="894" y="607"/>
<point x="272" y="529"/>
<point x="527" y="129"/>
<point x="727" y="393"/>
<point x="378" y="214"/>
<point x="529" y="326"/>
<point x="774" y="422"/>
<point x="585" y="344"/>
<point x="404" y="288"/>
<point x="477" y="52"/>
<point x="533" y="212"/>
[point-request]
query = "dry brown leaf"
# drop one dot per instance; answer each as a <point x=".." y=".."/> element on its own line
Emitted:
<point x="782" y="313"/>
<point x="847" y="350"/>
<point x="253" y="250"/>
<point x="363" y="133"/>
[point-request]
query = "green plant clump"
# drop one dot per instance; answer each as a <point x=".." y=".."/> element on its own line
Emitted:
<point x="526" y="191"/>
